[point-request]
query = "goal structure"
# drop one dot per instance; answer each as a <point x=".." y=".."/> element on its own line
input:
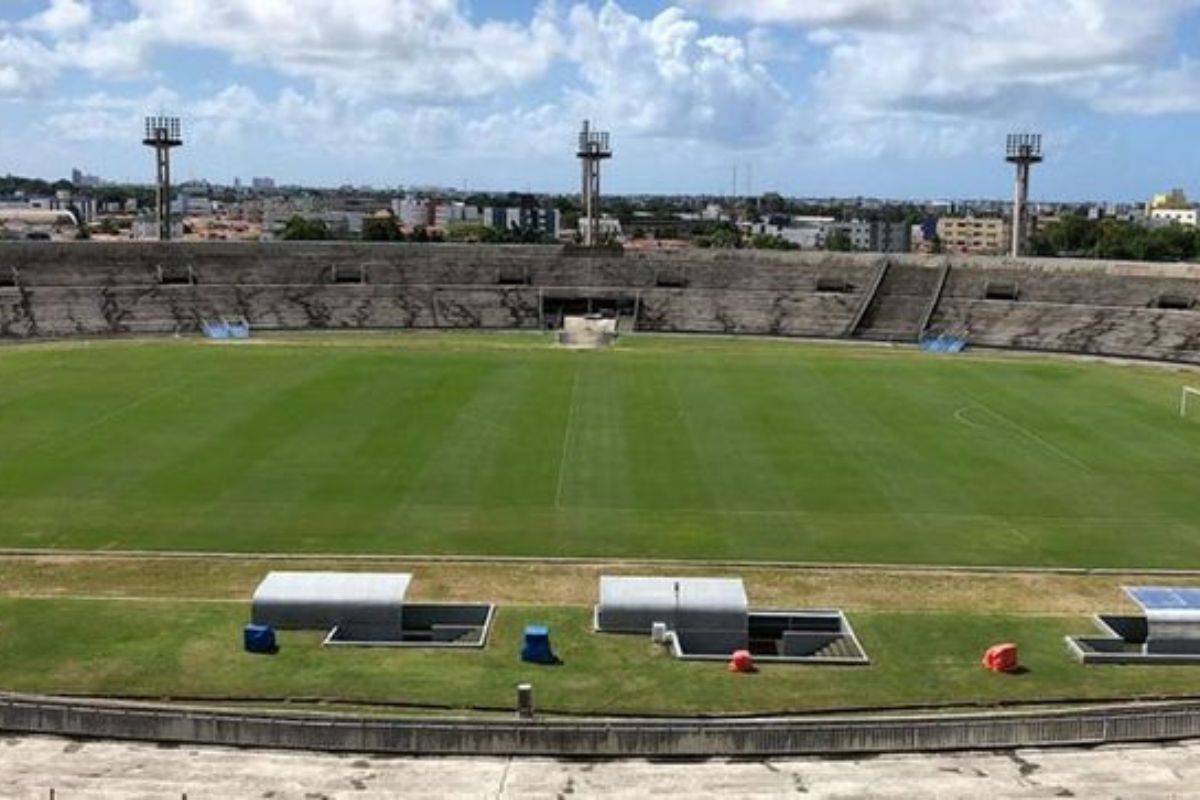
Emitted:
<point x="1189" y="397"/>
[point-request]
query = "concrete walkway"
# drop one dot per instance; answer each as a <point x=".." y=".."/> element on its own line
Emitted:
<point x="32" y="767"/>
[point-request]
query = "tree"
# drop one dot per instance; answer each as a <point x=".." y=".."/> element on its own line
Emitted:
<point x="300" y="229"/>
<point x="839" y="242"/>
<point x="468" y="232"/>
<point x="722" y="237"/>
<point x="1077" y="237"/>
<point x="769" y="241"/>
<point x="382" y="228"/>
<point x="772" y="203"/>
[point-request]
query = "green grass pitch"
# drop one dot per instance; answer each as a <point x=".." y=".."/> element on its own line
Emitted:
<point x="660" y="447"/>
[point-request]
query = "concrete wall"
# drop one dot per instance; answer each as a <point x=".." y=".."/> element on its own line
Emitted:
<point x="602" y="737"/>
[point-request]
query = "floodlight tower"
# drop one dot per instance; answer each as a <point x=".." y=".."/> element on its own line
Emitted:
<point x="163" y="134"/>
<point x="593" y="149"/>
<point x="1024" y="150"/>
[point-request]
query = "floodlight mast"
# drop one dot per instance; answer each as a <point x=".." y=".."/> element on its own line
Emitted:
<point x="1024" y="150"/>
<point x="163" y="134"/>
<point x="594" y="148"/>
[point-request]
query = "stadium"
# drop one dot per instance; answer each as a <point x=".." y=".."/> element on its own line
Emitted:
<point x="810" y="423"/>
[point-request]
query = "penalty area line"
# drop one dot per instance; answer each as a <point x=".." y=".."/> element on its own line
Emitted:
<point x="1048" y="446"/>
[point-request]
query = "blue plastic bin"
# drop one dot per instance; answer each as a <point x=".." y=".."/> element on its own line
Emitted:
<point x="535" y="648"/>
<point x="259" y="639"/>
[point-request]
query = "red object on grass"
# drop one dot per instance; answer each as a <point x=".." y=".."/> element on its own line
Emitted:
<point x="1001" y="658"/>
<point x="741" y="661"/>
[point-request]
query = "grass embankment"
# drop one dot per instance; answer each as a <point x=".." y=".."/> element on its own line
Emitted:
<point x="697" y="448"/>
<point x="116" y="626"/>
<point x="192" y="650"/>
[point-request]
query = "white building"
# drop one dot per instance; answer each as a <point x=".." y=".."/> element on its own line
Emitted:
<point x="1182" y="216"/>
<point x="36" y="223"/>
<point x="606" y="226"/>
<point x="414" y="211"/>
<point x="146" y="229"/>
<point x="447" y="214"/>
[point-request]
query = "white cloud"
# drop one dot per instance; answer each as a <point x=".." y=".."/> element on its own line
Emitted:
<point x="863" y="14"/>
<point x="62" y="16"/>
<point x="92" y="125"/>
<point x="662" y="77"/>
<point x="1172" y="90"/>
<point x="656" y="77"/>
<point x="27" y="66"/>
<point x="898" y="77"/>
<point x="917" y="71"/>
<point x="417" y="49"/>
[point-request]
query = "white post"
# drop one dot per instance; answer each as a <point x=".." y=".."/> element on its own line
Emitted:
<point x="1188" y="391"/>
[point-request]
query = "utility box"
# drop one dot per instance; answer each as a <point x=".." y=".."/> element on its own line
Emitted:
<point x="525" y="701"/>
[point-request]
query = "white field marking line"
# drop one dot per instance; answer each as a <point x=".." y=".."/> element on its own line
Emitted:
<point x="116" y="598"/>
<point x="1025" y="540"/>
<point x="1058" y="451"/>
<point x="116" y="412"/>
<point x="961" y="416"/>
<point x="9" y="553"/>
<point x="656" y="512"/>
<point x="872" y="515"/>
<point x="566" y="443"/>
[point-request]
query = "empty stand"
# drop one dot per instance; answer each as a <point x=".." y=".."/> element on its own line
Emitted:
<point x="68" y="289"/>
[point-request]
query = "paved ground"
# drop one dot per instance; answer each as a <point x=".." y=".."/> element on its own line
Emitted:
<point x="31" y="767"/>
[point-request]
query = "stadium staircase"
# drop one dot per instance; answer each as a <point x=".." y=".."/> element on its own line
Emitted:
<point x="841" y="647"/>
<point x="897" y="311"/>
<point x="868" y="298"/>
<point x="931" y="309"/>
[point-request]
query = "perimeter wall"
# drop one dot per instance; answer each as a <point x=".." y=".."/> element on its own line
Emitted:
<point x="604" y="738"/>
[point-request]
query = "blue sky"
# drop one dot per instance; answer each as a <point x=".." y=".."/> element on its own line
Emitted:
<point x="896" y="98"/>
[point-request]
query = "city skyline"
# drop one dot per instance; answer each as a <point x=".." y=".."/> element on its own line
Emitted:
<point x="890" y="99"/>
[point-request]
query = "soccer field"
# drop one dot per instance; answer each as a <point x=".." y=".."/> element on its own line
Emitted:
<point x="661" y="447"/>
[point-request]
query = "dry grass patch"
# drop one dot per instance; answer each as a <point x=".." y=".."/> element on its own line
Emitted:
<point x="548" y="584"/>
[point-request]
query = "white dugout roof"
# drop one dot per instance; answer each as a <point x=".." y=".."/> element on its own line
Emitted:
<point x="634" y="604"/>
<point x="316" y="600"/>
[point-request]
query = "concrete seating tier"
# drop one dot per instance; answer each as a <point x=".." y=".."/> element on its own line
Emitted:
<point x="66" y="289"/>
<point x="1100" y="289"/>
<point x="1104" y="330"/>
<point x="762" y="313"/>
<point x="69" y="311"/>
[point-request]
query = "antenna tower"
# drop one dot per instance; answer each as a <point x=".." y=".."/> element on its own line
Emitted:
<point x="1024" y="150"/>
<point x="163" y="134"/>
<point x="593" y="149"/>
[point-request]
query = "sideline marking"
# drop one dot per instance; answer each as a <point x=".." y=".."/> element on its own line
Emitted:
<point x="130" y="406"/>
